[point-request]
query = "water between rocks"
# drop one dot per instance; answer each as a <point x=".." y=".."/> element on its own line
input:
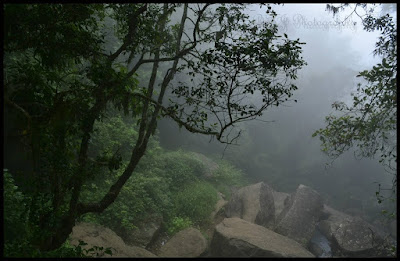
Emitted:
<point x="321" y="243"/>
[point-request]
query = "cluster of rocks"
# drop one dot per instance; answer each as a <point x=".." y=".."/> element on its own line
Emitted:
<point x="257" y="221"/>
<point x="96" y="235"/>
<point x="312" y="226"/>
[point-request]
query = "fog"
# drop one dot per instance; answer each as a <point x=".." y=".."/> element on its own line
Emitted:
<point x="279" y="149"/>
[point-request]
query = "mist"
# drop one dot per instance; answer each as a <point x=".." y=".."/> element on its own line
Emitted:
<point x="200" y="130"/>
<point x="278" y="148"/>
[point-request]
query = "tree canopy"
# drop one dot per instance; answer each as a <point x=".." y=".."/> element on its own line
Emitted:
<point x="67" y="65"/>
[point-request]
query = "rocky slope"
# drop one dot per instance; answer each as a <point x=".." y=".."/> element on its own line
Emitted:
<point x="257" y="221"/>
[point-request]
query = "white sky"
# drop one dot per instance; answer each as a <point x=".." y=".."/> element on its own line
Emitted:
<point x="311" y="23"/>
<point x="328" y="45"/>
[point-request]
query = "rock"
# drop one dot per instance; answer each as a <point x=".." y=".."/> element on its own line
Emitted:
<point x="96" y="235"/>
<point x="300" y="215"/>
<point x="235" y="237"/>
<point x="209" y="165"/>
<point x="254" y="203"/>
<point x="220" y="204"/>
<point x="387" y="225"/>
<point x="144" y="234"/>
<point x="186" y="243"/>
<point x="279" y="200"/>
<point x="326" y="212"/>
<point x="352" y="236"/>
<point x="137" y="252"/>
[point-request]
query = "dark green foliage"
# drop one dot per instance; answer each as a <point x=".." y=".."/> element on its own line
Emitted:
<point x="15" y="216"/>
<point x="142" y="197"/>
<point x="56" y="33"/>
<point x="144" y="194"/>
<point x="19" y="229"/>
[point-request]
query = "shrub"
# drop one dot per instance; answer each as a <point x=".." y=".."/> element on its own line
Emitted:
<point x="14" y="209"/>
<point x="179" y="168"/>
<point x="196" y="202"/>
<point x="177" y="224"/>
<point x="227" y="176"/>
<point x="19" y="230"/>
<point x="143" y="195"/>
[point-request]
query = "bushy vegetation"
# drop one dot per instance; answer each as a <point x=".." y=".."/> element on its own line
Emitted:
<point x="166" y="184"/>
<point x="67" y="66"/>
<point x="19" y="230"/>
<point x="226" y="177"/>
<point x="196" y="201"/>
<point x="177" y="224"/>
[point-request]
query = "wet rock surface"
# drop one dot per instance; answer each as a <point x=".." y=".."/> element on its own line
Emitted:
<point x="279" y="201"/>
<point x="218" y="207"/>
<point x="235" y="237"/>
<point x="96" y="235"/>
<point x="144" y="233"/>
<point x="254" y="203"/>
<point x="256" y="222"/>
<point x="352" y="236"/>
<point x="300" y="215"/>
<point x="186" y="243"/>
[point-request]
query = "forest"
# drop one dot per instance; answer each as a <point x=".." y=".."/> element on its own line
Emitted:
<point x="159" y="116"/>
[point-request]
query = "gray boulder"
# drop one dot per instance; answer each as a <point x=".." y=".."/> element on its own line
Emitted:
<point x="279" y="200"/>
<point x="218" y="207"/>
<point x="352" y="236"/>
<point x="96" y="235"/>
<point x="186" y="243"/>
<point x="300" y="215"/>
<point x="235" y="237"/>
<point x="254" y="203"/>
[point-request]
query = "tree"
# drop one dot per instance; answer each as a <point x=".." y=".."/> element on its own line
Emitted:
<point x="369" y="124"/>
<point x="65" y="65"/>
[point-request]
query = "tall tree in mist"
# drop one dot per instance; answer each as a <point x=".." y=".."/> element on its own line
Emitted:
<point x="64" y="65"/>
<point x="369" y="124"/>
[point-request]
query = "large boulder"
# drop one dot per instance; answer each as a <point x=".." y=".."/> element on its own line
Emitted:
<point x="300" y="215"/>
<point x="352" y="236"/>
<point x="279" y="201"/>
<point x="144" y="233"/>
<point x="186" y="243"/>
<point x="254" y="203"/>
<point x="96" y="235"/>
<point x="235" y="237"/>
<point x="389" y="226"/>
